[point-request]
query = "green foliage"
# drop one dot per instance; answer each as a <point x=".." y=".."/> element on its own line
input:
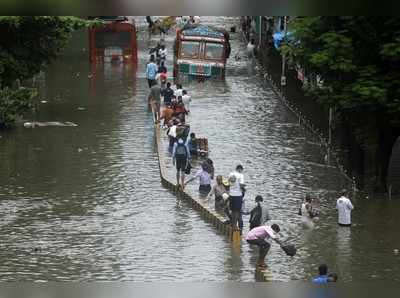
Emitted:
<point x="27" y="43"/>
<point x="357" y="58"/>
<point x="14" y="103"/>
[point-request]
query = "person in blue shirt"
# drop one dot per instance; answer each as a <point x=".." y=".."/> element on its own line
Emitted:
<point x="151" y="71"/>
<point x="322" y="278"/>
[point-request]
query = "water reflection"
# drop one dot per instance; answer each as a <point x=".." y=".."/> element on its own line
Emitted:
<point x="343" y="251"/>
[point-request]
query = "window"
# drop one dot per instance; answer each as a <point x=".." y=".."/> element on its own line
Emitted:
<point x="109" y="39"/>
<point x="214" y="51"/>
<point x="190" y="49"/>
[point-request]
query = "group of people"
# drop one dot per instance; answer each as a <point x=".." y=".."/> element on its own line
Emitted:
<point x="176" y="102"/>
<point x="172" y="111"/>
<point x="182" y="21"/>
<point x="229" y="196"/>
<point x="228" y="192"/>
<point x="155" y="68"/>
<point x="163" y="25"/>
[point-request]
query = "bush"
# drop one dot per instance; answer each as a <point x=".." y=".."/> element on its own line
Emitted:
<point x="27" y="43"/>
<point x="13" y="103"/>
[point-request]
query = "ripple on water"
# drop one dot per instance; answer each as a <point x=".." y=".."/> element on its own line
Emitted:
<point x="89" y="204"/>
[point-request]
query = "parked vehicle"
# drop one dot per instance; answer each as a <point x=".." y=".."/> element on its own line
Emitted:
<point x="114" y="41"/>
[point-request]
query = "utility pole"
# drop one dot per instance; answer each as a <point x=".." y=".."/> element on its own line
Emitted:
<point x="283" y="77"/>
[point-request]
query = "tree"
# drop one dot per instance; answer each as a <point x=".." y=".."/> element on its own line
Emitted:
<point x="358" y="59"/>
<point x="27" y="43"/>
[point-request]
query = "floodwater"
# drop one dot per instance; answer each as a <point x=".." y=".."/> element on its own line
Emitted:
<point x="85" y="203"/>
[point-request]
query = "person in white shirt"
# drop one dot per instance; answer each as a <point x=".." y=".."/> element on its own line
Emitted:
<point x="344" y="208"/>
<point x="187" y="99"/>
<point x="194" y="20"/>
<point x="236" y="193"/>
<point x="162" y="53"/>
<point x="178" y="91"/>
<point x="171" y="132"/>
<point x="250" y="48"/>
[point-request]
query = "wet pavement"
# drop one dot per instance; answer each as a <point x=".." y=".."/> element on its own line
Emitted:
<point x="86" y="203"/>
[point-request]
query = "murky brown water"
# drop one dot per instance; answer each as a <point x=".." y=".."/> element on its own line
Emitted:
<point x="85" y="203"/>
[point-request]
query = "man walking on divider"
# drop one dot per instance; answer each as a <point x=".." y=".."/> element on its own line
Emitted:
<point x="180" y="158"/>
<point x="151" y="71"/>
<point x="155" y="99"/>
<point x="168" y="92"/>
<point x="236" y="192"/>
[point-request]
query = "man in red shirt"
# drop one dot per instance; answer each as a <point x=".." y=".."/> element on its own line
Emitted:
<point x="180" y="110"/>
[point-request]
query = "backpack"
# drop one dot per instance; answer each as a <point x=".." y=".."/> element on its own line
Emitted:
<point x="255" y="217"/>
<point x="181" y="152"/>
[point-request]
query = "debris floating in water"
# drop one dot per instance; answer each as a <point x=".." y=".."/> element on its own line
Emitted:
<point x="81" y="109"/>
<point x="395" y="251"/>
<point x="49" y="123"/>
<point x="43" y="101"/>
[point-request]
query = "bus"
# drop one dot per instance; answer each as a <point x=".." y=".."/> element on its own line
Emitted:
<point x="114" y="41"/>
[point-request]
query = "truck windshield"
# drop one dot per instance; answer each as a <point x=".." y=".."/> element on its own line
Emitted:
<point x="190" y="49"/>
<point x="214" y="51"/>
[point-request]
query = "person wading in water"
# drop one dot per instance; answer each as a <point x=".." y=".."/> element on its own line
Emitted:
<point x="218" y="190"/>
<point x="259" y="215"/>
<point x="344" y="208"/>
<point x="204" y="179"/>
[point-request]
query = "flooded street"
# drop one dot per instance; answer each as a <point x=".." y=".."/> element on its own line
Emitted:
<point x="85" y="203"/>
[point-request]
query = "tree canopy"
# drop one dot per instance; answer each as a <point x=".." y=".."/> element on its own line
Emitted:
<point x="358" y="59"/>
<point x="27" y="43"/>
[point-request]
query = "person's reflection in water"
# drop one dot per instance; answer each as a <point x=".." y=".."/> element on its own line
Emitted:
<point x="234" y="263"/>
<point x="343" y="258"/>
